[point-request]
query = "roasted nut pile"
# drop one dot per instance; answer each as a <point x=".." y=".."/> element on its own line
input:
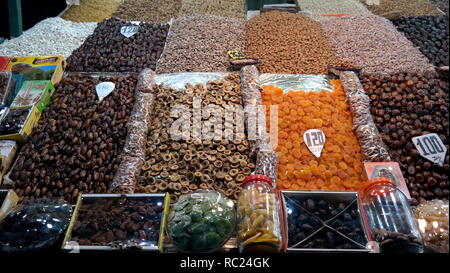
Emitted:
<point x="318" y="8"/>
<point x="225" y="8"/>
<point x="179" y="166"/>
<point x="340" y="166"/>
<point x="199" y="43"/>
<point x="288" y="43"/>
<point x="379" y="47"/>
<point x="310" y="214"/>
<point x="107" y="50"/>
<point x="160" y="11"/>
<point x="430" y="34"/>
<point x="404" y="106"/>
<point x="401" y="8"/>
<point x="76" y="145"/>
<point x="115" y="222"/>
<point x="92" y="10"/>
<point x="14" y="121"/>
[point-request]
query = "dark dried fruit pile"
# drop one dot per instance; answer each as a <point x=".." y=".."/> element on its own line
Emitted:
<point x="14" y="121"/>
<point x="107" y="50"/>
<point x="409" y="105"/>
<point x="116" y="221"/>
<point x="76" y="145"/>
<point x="338" y="224"/>
<point x="430" y="34"/>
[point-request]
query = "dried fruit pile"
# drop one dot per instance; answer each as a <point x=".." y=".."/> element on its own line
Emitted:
<point x="430" y="34"/>
<point x="76" y="145"/>
<point x="108" y="50"/>
<point x="228" y="8"/>
<point x="406" y="106"/>
<point x="340" y="166"/>
<point x="92" y="10"/>
<point x="160" y="11"/>
<point x="379" y="47"/>
<point x="288" y="43"/>
<point x="182" y="166"/>
<point x="199" y="43"/>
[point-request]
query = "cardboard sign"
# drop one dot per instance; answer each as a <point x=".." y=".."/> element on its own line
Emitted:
<point x="315" y="141"/>
<point x="104" y="89"/>
<point x="431" y="147"/>
<point x="129" y="31"/>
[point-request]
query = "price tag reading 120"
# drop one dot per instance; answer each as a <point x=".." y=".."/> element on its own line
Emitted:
<point x="431" y="147"/>
<point x="129" y="31"/>
<point x="315" y="140"/>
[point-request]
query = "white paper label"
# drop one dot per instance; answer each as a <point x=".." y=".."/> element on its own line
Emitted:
<point x="129" y="31"/>
<point x="315" y="140"/>
<point x="431" y="147"/>
<point x="104" y="89"/>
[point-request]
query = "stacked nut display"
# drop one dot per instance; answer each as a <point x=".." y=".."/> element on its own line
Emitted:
<point x="430" y="34"/>
<point x="408" y="105"/>
<point x="76" y="145"/>
<point x="108" y="50"/>
<point x="186" y="165"/>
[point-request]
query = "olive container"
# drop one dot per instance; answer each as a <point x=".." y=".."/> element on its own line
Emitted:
<point x="75" y="245"/>
<point x="323" y="221"/>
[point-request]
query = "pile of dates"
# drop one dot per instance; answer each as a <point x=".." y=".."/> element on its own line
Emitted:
<point x="75" y="147"/>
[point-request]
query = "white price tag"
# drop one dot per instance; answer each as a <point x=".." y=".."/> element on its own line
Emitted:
<point x="315" y="140"/>
<point x="129" y="31"/>
<point x="431" y="147"/>
<point x="104" y="89"/>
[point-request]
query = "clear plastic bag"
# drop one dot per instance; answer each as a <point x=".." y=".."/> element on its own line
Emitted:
<point x="136" y="139"/>
<point x="35" y="225"/>
<point x="372" y="145"/>
<point x="145" y="81"/>
<point x="202" y="221"/>
<point x="126" y="177"/>
<point x="433" y="221"/>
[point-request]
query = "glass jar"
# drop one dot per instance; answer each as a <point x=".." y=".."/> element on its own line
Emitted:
<point x="259" y="226"/>
<point x="390" y="218"/>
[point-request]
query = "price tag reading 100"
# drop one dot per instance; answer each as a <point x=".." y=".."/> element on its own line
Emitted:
<point x="431" y="147"/>
<point x="315" y="140"/>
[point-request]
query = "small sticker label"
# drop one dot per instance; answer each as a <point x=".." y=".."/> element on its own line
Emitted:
<point x="104" y="89"/>
<point x="315" y="140"/>
<point x="129" y="31"/>
<point x="235" y="54"/>
<point x="431" y="147"/>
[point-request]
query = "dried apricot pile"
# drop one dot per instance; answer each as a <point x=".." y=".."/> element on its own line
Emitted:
<point x="340" y="166"/>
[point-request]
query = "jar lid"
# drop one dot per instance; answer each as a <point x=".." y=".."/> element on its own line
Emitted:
<point x="377" y="181"/>
<point x="257" y="178"/>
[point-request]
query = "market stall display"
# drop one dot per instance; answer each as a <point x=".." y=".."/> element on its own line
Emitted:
<point x="120" y="46"/>
<point x="18" y="123"/>
<point x="430" y="34"/>
<point x="7" y="88"/>
<point x="328" y="9"/>
<point x="389" y="217"/>
<point x="432" y="218"/>
<point x="202" y="221"/>
<point x="76" y="145"/>
<point x="35" y="225"/>
<point x="288" y="43"/>
<point x="182" y="159"/>
<point x="229" y="8"/>
<point x="115" y="222"/>
<point x="401" y="8"/>
<point x="199" y="43"/>
<point x="259" y="220"/>
<point x="339" y="166"/>
<point x="323" y="221"/>
<point x="34" y="93"/>
<point x="379" y="47"/>
<point x="92" y="10"/>
<point x="159" y="11"/>
<point x="408" y="105"/>
<point x="52" y="36"/>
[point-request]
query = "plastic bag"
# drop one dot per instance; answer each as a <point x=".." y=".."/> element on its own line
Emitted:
<point x="372" y="145"/>
<point x="145" y="81"/>
<point x="127" y="175"/>
<point x="432" y="218"/>
<point x="35" y="225"/>
<point x="202" y="221"/>
<point x="136" y="139"/>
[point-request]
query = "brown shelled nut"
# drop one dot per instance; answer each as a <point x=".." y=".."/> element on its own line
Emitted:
<point x="420" y="107"/>
<point x="76" y="145"/>
<point x="188" y="165"/>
